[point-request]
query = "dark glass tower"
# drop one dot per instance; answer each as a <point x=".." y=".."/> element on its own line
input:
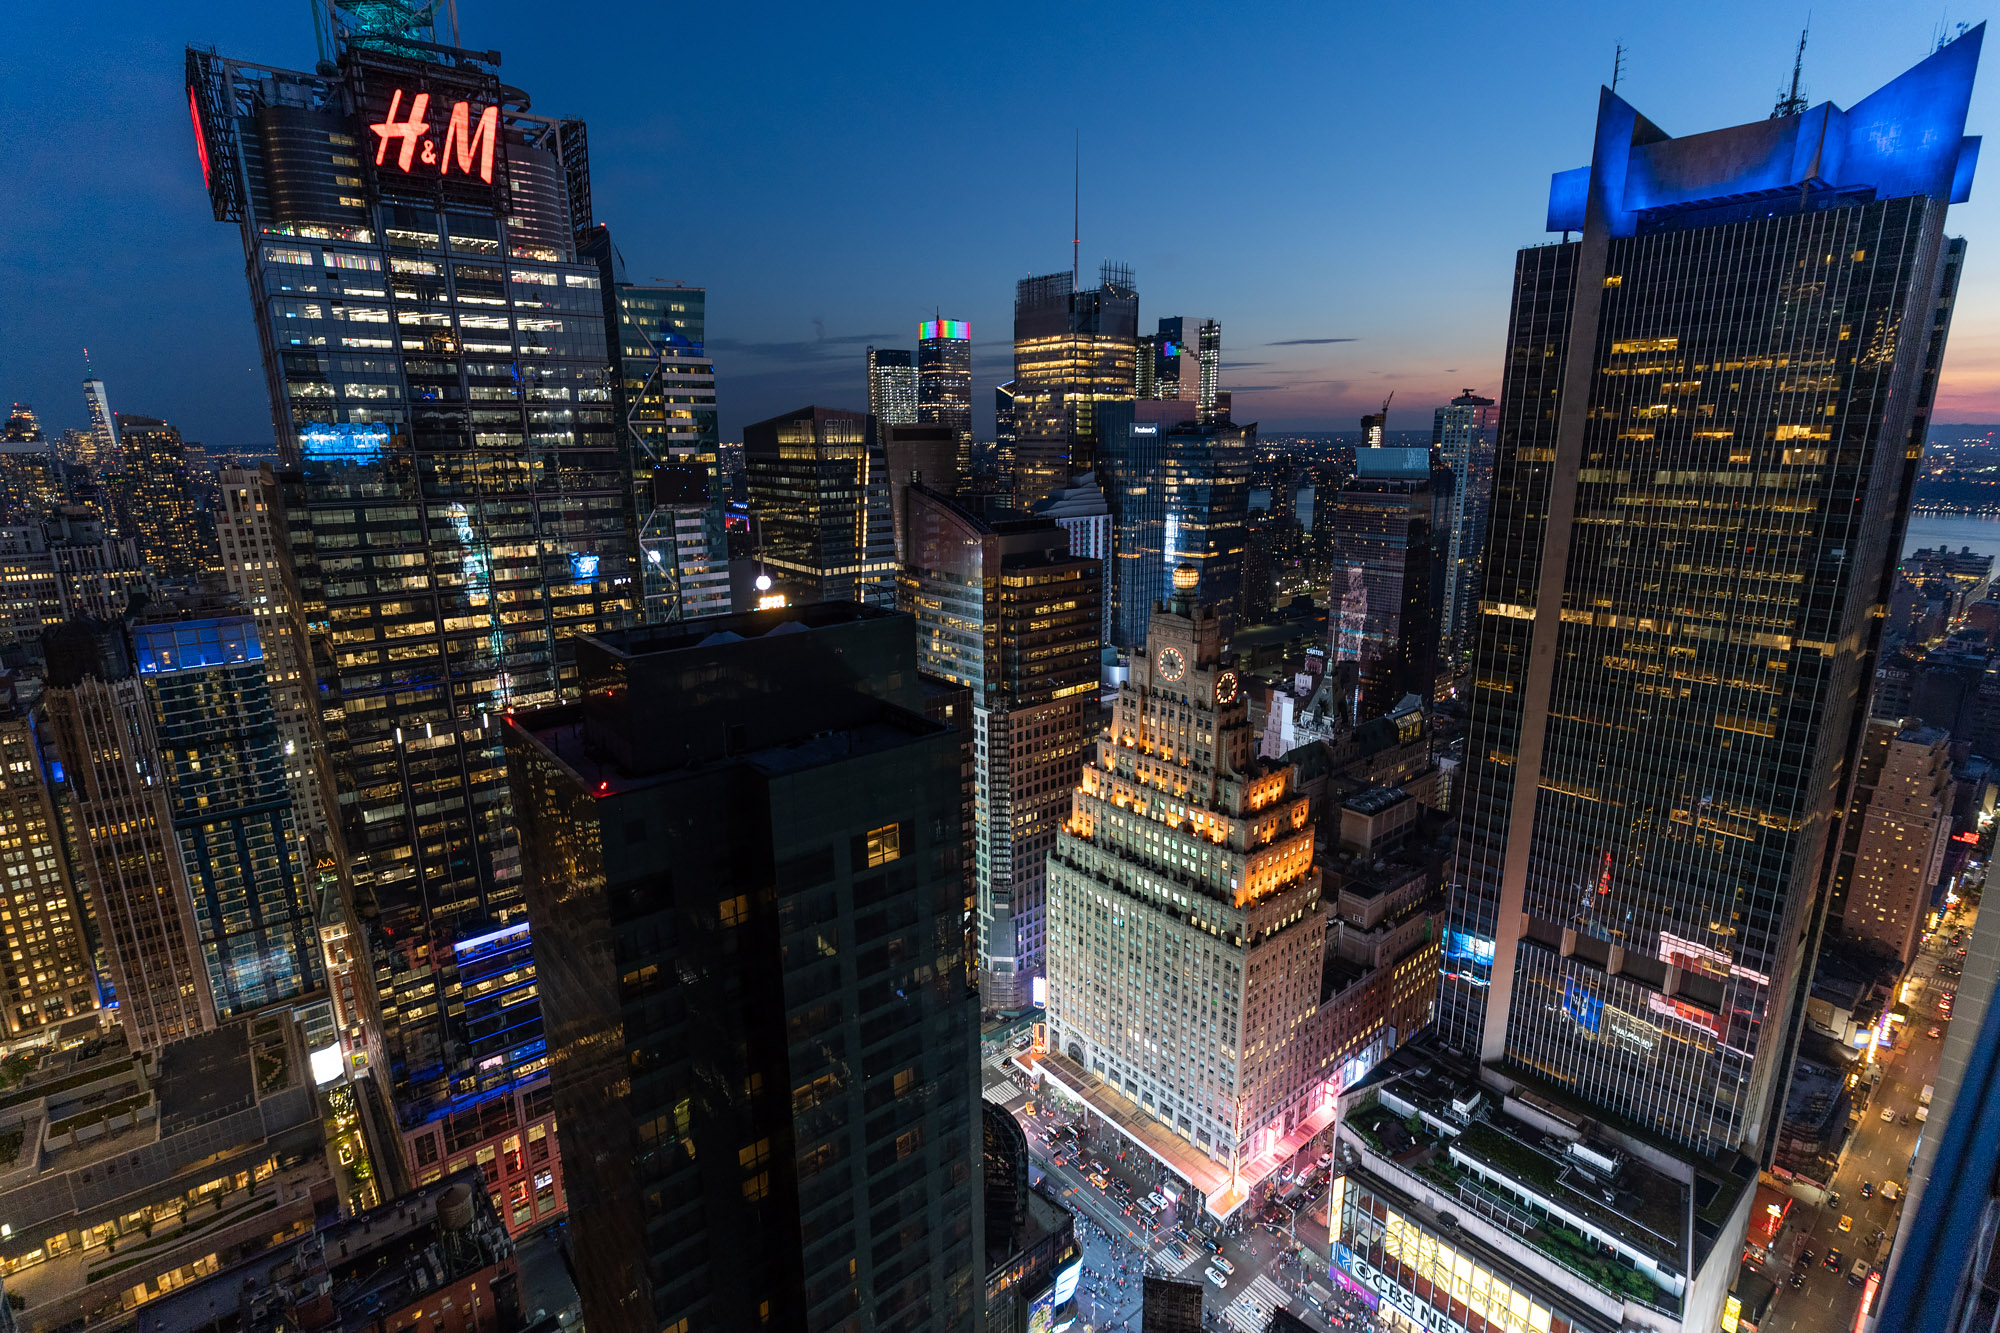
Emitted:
<point x="820" y="497"/>
<point x="1462" y="435"/>
<point x="944" y="378"/>
<point x="1180" y="494"/>
<point x="742" y="862"/>
<point x="1383" y="546"/>
<point x="1713" y="408"/>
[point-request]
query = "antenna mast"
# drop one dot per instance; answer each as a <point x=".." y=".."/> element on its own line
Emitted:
<point x="1617" y="65"/>
<point x="1793" y="102"/>
<point x="1076" y="208"/>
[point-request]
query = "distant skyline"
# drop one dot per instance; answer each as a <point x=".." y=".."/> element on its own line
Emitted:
<point x="1343" y="191"/>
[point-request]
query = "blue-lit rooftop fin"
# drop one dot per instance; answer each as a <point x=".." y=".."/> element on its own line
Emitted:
<point x="1905" y="138"/>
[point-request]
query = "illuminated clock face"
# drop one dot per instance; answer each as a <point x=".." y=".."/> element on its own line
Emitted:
<point x="1172" y="665"/>
<point x="1225" y="688"/>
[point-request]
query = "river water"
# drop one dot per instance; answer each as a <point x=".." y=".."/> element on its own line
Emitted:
<point x="1981" y="534"/>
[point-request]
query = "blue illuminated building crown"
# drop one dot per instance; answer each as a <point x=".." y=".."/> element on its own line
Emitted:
<point x="1905" y="138"/>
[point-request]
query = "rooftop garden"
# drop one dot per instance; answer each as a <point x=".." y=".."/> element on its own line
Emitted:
<point x="1580" y="1255"/>
<point x="98" y="1114"/>
<point x="82" y="1078"/>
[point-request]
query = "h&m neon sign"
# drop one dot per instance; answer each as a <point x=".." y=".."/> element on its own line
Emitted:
<point x="467" y="146"/>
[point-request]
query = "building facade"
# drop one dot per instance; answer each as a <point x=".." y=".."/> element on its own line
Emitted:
<point x="944" y="378"/>
<point x="819" y="497"/>
<point x="1463" y="436"/>
<point x="743" y="862"/>
<point x="98" y="452"/>
<point x="157" y="499"/>
<point x="1179" y="494"/>
<point x="666" y="408"/>
<point x="46" y="975"/>
<point x="456" y="503"/>
<point x="1382" y="529"/>
<point x="892" y="386"/>
<point x="1003" y="607"/>
<point x="1692" y="570"/>
<point x="251" y="544"/>
<point x="1186" y="931"/>
<point x="1073" y="350"/>
<point x="103" y="728"/>
<point x="246" y="859"/>
<point x="1905" y="827"/>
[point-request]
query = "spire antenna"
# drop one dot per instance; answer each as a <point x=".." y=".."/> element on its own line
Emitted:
<point x="1076" y="208"/>
<point x="1617" y="65"/>
<point x="1793" y="102"/>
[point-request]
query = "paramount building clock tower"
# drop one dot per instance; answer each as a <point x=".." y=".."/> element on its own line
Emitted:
<point x="1185" y="926"/>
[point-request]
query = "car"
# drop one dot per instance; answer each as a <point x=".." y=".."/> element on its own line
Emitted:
<point x="1151" y="1206"/>
<point x="1858" y="1274"/>
<point x="1220" y="1282"/>
<point x="1888" y="1116"/>
<point x="1832" y="1261"/>
<point x="1846" y="1222"/>
<point x="1225" y="1265"/>
<point x="1936" y="1032"/>
<point x="1285" y="1176"/>
<point x="1209" y="1243"/>
<point x="1798" y="1280"/>
<point x="1157" y="1198"/>
<point x="1325" y="1160"/>
<point x="1867" y="1189"/>
<point x="1807" y="1255"/>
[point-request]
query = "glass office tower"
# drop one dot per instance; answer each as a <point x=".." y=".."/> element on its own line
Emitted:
<point x="892" y="386"/>
<point x="456" y="507"/>
<point x="1463" y="435"/>
<point x="1180" y="494"/>
<point x="1384" y="546"/>
<point x="1713" y="409"/>
<point x="1073" y="351"/>
<point x="944" y="376"/>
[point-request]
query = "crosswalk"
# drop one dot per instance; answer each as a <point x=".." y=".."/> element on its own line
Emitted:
<point x="1181" y="1257"/>
<point x="1250" y="1312"/>
<point x="1002" y="1093"/>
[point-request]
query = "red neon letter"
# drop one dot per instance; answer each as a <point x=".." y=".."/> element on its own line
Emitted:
<point x="409" y="131"/>
<point x="460" y="135"/>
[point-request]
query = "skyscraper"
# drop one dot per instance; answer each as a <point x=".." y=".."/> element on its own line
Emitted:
<point x="100" y="453"/>
<point x="666" y="408"/>
<point x="1463" y="435"/>
<point x="251" y="546"/>
<point x="247" y="864"/>
<point x="30" y="476"/>
<point x="22" y="426"/>
<point x="1905" y="825"/>
<point x="158" y="500"/>
<point x="944" y="378"/>
<point x="1003" y="424"/>
<point x="103" y="727"/>
<point x="1186" y="932"/>
<point x="1004" y="608"/>
<point x="1073" y="350"/>
<point x="45" y="971"/>
<point x="1708" y="431"/>
<point x="1382" y="528"/>
<point x="742" y="861"/>
<point x="892" y="386"/>
<point x="1186" y="363"/>
<point x="927" y="454"/>
<point x="1179" y="493"/>
<point x="443" y="381"/>
<point x="819" y="495"/>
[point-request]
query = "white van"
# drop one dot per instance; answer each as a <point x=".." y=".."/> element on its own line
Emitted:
<point x="1890" y="1189"/>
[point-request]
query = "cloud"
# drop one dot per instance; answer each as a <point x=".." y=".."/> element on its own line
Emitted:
<point x="820" y="348"/>
<point x="1310" y="342"/>
<point x="1240" y="365"/>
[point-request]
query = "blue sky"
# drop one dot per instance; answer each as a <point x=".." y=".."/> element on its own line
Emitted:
<point x="833" y="174"/>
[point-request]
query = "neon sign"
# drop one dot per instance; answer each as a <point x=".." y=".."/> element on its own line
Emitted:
<point x="469" y="148"/>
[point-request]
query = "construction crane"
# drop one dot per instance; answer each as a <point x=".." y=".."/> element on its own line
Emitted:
<point x="1793" y="102"/>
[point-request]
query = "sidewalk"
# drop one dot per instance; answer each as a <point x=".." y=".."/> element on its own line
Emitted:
<point x="1224" y="1191"/>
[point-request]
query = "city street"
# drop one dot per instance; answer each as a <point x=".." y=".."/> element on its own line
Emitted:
<point x="1878" y="1151"/>
<point x="1120" y="1240"/>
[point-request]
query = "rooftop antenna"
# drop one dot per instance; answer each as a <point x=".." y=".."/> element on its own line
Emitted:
<point x="1793" y="102"/>
<point x="1617" y="65"/>
<point x="1076" y="208"/>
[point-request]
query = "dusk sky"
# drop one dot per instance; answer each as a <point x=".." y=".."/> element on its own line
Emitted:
<point x="1342" y="186"/>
